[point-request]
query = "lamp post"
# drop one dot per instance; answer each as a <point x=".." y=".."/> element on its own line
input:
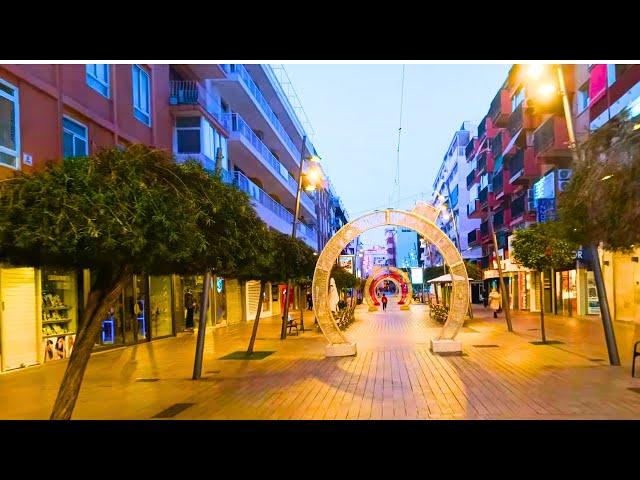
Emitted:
<point x="313" y="177"/>
<point x="534" y="72"/>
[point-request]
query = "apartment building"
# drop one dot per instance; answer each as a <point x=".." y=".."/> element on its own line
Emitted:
<point x="234" y="116"/>
<point x="451" y="194"/>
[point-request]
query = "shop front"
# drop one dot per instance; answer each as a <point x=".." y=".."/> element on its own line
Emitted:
<point x="59" y="313"/>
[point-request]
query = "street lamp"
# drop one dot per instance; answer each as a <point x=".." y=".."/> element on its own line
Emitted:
<point x="313" y="177"/>
<point x="534" y="74"/>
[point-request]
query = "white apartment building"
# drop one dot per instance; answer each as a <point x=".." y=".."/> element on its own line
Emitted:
<point x="450" y="184"/>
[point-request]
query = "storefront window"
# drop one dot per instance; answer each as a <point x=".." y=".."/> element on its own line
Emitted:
<point x="59" y="313"/>
<point x="566" y="297"/>
<point x="126" y="320"/>
<point x="160" y="306"/>
<point x="220" y="301"/>
<point x="192" y="286"/>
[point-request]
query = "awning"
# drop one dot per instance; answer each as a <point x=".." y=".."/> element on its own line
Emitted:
<point x="511" y="143"/>
<point x="446" y="278"/>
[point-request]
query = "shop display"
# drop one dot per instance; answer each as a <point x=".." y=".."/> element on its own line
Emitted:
<point x="59" y="304"/>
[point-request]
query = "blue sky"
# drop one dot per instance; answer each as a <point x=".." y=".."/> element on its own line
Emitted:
<point x="355" y="112"/>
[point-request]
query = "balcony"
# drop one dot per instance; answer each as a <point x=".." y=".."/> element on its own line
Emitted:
<point x="237" y="72"/>
<point x="473" y="209"/>
<point x="520" y="119"/>
<point x="522" y="208"/>
<point x="242" y="132"/>
<point x="468" y="151"/>
<point x="473" y="237"/>
<point x="501" y="219"/>
<point x="500" y="108"/>
<point x="550" y="140"/>
<point x="471" y="178"/>
<point x="273" y="213"/>
<point x="482" y="163"/>
<point x="482" y="128"/>
<point x="485" y="234"/>
<point x="498" y="143"/>
<point x="193" y="93"/>
<point x="523" y="167"/>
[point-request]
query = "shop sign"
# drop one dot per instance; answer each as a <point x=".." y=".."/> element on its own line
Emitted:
<point x="583" y="256"/>
<point x="487" y="274"/>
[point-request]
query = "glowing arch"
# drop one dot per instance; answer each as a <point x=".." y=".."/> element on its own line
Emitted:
<point x="422" y="220"/>
<point x="398" y="276"/>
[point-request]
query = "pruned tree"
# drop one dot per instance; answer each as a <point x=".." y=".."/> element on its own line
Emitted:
<point x="116" y="213"/>
<point x="295" y="262"/>
<point x="601" y="203"/>
<point x="542" y="247"/>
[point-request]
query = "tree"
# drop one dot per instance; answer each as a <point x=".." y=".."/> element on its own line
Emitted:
<point x="542" y="247"/>
<point x="602" y="202"/>
<point x="116" y="213"/>
<point x="343" y="278"/>
<point x="279" y="258"/>
<point x="295" y="262"/>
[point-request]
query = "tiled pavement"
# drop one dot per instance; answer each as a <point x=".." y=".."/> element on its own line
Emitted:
<point x="394" y="375"/>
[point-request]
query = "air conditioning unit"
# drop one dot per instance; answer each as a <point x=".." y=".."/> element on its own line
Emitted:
<point x="564" y="174"/>
<point x="562" y="185"/>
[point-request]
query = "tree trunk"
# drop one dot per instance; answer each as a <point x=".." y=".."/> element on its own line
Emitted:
<point x="106" y="291"/>
<point x="544" y="336"/>
<point x="435" y="290"/>
<point x="303" y="304"/>
<point x="283" y="329"/>
<point x="254" y="332"/>
<point x="202" y="327"/>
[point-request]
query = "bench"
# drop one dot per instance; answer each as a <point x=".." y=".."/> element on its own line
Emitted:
<point x="636" y="353"/>
<point x="291" y="324"/>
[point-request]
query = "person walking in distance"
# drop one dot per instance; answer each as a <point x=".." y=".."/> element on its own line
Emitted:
<point x="189" y="304"/>
<point x="495" y="299"/>
<point x="384" y="301"/>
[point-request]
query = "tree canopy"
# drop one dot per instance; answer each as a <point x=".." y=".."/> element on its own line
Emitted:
<point x="133" y="207"/>
<point x="541" y="246"/>
<point x="343" y="278"/>
<point x="602" y="200"/>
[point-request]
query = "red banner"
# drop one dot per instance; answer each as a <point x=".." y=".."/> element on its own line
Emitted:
<point x="597" y="82"/>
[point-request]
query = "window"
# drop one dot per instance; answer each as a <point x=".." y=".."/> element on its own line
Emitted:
<point x="188" y="134"/>
<point x="141" y="95"/>
<point x="583" y="97"/>
<point x="74" y="138"/>
<point x="9" y="126"/>
<point x="454" y="197"/>
<point x="98" y="78"/>
<point x="517" y="98"/>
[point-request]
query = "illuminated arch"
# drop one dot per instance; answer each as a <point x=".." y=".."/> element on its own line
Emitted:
<point x="397" y="275"/>
<point x="422" y="220"/>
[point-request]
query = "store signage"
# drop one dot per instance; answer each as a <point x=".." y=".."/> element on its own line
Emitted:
<point x="583" y="256"/>
<point x="416" y="275"/>
<point x="545" y="209"/>
<point x="347" y="262"/>
<point x="487" y="274"/>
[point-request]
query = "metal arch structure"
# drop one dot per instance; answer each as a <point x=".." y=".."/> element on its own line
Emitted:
<point x="394" y="274"/>
<point x="422" y="220"/>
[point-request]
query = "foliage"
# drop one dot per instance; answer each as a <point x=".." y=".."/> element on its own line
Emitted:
<point x="433" y="272"/>
<point x="473" y="270"/>
<point x="343" y="278"/>
<point x="541" y="247"/>
<point x="132" y="207"/>
<point x="602" y="200"/>
<point x="439" y="312"/>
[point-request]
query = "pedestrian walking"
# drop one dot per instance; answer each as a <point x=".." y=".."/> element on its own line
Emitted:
<point x="309" y="301"/>
<point x="190" y="305"/>
<point x="384" y="301"/>
<point x="495" y="299"/>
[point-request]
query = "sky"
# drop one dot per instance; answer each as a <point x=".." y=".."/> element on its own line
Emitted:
<point x="355" y="112"/>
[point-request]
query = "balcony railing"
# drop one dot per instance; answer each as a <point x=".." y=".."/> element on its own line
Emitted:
<point x="544" y="136"/>
<point x="518" y="206"/>
<point x="259" y="97"/>
<point x="516" y="164"/>
<point x="239" y="125"/>
<point x="482" y="162"/>
<point x="470" y="178"/>
<point x="482" y="128"/>
<point x="496" y="145"/>
<point x="484" y="229"/>
<point x="469" y="148"/>
<point x="188" y="92"/>
<point x="498" y="219"/>
<point x="515" y="119"/>
<point x="500" y="107"/>
<point x="483" y="195"/>
<point x="498" y="182"/>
